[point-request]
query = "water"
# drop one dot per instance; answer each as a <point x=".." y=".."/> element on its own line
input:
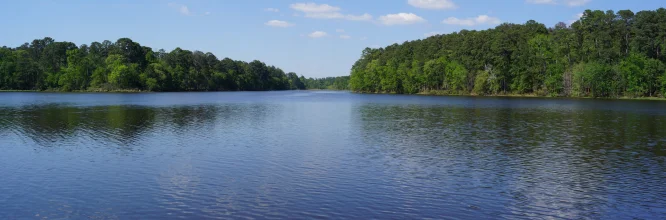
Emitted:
<point x="304" y="155"/>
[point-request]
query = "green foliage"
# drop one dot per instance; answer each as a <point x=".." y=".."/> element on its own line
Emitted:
<point x="26" y="72"/>
<point x="633" y="74"/>
<point x="329" y="83"/>
<point x="604" y="54"/>
<point x="126" y="65"/>
<point x="553" y="84"/>
<point x="654" y="71"/>
<point x="434" y="72"/>
<point x="456" y="77"/>
<point x="662" y="82"/>
<point x="582" y="80"/>
<point x="295" y="82"/>
<point x="481" y="86"/>
<point x="594" y="79"/>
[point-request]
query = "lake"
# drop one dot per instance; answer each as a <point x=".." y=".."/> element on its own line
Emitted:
<point x="321" y="154"/>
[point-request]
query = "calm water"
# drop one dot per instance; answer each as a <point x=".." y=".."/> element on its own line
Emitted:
<point x="305" y="155"/>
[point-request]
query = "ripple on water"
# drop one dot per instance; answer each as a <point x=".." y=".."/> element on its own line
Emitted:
<point x="330" y="155"/>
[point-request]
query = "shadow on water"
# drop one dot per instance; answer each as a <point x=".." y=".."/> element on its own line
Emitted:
<point x="56" y="125"/>
<point x="50" y="124"/>
<point x="100" y="149"/>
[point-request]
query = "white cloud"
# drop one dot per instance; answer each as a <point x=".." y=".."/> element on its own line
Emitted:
<point x="570" y="3"/>
<point x="325" y="11"/>
<point x="400" y="19"/>
<point x="182" y="9"/>
<point x="338" y="15"/>
<point x="278" y="23"/>
<point x="479" y="20"/>
<point x="271" y="9"/>
<point x="326" y="15"/>
<point x="364" y="17"/>
<point x="207" y="13"/>
<point x="346" y="37"/>
<point x="317" y="34"/>
<point x="340" y="30"/>
<point x="433" y="4"/>
<point x="363" y="38"/>
<point x="314" y="8"/>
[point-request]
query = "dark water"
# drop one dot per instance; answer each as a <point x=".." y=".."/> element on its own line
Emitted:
<point x="304" y="155"/>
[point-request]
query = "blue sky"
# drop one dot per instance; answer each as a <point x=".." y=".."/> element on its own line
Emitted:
<point x="314" y="38"/>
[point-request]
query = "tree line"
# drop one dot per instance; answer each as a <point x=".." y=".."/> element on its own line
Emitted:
<point x="45" y="64"/>
<point x="603" y="54"/>
<point x="328" y="83"/>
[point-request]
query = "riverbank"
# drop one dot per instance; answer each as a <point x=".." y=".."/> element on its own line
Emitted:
<point x="84" y="91"/>
<point x="327" y="90"/>
<point x="141" y="91"/>
<point x="529" y="95"/>
<point x="19" y="90"/>
<point x="429" y="93"/>
<point x="533" y="95"/>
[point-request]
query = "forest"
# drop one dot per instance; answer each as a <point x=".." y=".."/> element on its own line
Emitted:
<point x="45" y="64"/>
<point x="328" y="83"/>
<point x="603" y="54"/>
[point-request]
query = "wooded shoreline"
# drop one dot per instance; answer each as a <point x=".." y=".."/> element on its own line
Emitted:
<point x="430" y="93"/>
<point x="604" y="54"/>
<point x="440" y="93"/>
<point x="127" y="66"/>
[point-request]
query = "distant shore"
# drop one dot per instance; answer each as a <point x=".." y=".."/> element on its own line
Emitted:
<point x="430" y="93"/>
<point x="139" y="91"/>
<point x="530" y="95"/>
<point x="84" y="91"/>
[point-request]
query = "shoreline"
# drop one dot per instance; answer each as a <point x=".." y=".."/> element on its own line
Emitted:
<point x="431" y="93"/>
<point x="81" y="91"/>
<point x="531" y="95"/>
<point x="140" y="91"/>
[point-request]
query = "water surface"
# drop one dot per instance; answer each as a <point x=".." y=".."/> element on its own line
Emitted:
<point x="307" y="155"/>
